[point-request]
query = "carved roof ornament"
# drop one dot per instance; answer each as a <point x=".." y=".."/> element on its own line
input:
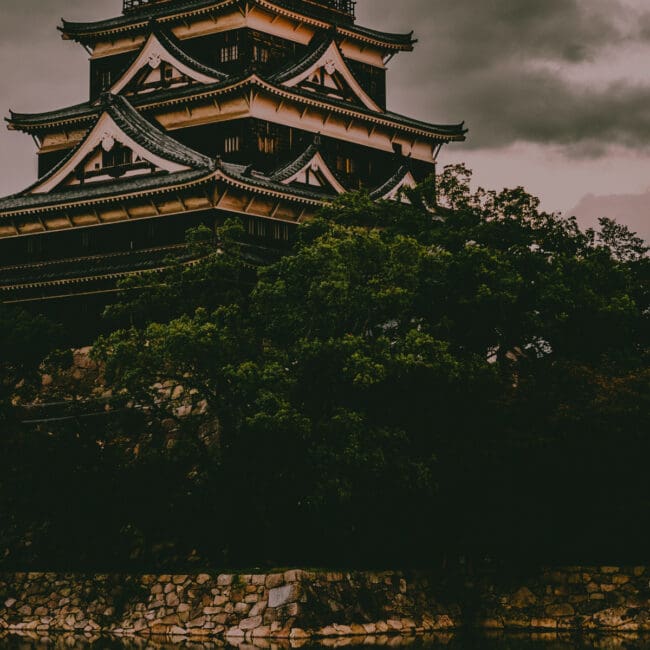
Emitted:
<point x="330" y="66"/>
<point x="108" y="142"/>
<point x="154" y="61"/>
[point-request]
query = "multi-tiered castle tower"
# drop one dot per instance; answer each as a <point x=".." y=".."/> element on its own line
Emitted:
<point x="200" y="109"/>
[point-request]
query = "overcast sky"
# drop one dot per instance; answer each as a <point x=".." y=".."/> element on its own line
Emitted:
<point x="556" y="93"/>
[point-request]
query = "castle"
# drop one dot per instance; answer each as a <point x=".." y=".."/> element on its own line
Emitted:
<point x="199" y="110"/>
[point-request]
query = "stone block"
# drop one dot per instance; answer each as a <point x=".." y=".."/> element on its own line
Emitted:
<point x="609" y="569"/>
<point x="297" y="633"/>
<point x="517" y="622"/>
<point x="295" y="575"/>
<point x="235" y="633"/>
<point x="202" y="578"/>
<point x="261" y="632"/>
<point x="543" y="623"/>
<point x="258" y="608"/>
<point x="560" y="610"/>
<point x="172" y="619"/>
<point x="334" y="576"/>
<point x="225" y="580"/>
<point x="284" y="595"/>
<point x="251" y="623"/>
<point x="523" y="598"/>
<point x="274" y="580"/>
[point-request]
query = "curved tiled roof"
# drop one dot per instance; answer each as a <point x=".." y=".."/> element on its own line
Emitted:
<point x="244" y="175"/>
<point x="450" y="131"/>
<point x="174" y="47"/>
<point x="87" y="111"/>
<point x="67" y="113"/>
<point x="152" y="138"/>
<point x="142" y="132"/>
<point x="294" y="68"/>
<point x="283" y="173"/>
<point x="391" y="183"/>
<point x="88" y="31"/>
<point x="289" y="170"/>
<point x="90" y="191"/>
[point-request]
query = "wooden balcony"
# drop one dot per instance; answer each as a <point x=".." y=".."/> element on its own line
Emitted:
<point x="134" y="5"/>
<point x="342" y="9"/>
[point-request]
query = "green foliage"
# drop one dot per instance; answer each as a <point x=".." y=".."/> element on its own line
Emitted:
<point x="219" y="277"/>
<point x="410" y="380"/>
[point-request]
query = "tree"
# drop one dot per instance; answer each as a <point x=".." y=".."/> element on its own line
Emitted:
<point x="467" y="370"/>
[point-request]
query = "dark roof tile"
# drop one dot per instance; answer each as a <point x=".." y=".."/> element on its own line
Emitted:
<point x="86" y="31"/>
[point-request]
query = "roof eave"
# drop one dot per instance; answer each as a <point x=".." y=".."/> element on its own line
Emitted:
<point x="86" y="34"/>
<point x="108" y="198"/>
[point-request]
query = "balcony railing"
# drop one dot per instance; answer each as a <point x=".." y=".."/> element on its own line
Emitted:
<point x="345" y="7"/>
<point x="132" y="5"/>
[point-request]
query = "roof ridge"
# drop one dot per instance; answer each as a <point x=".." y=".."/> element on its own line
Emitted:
<point x="447" y="130"/>
<point x="293" y="68"/>
<point x="288" y="170"/>
<point x="392" y="182"/>
<point x="136" y="127"/>
<point x="77" y="30"/>
<point x="169" y="41"/>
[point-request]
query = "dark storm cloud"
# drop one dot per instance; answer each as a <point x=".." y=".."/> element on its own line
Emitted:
<point x="502" y="64"/>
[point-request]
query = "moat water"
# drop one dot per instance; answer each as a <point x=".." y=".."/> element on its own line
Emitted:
<point x="438" y="642"/>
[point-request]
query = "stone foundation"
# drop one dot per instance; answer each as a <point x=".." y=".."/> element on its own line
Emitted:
<point x="302" y="605"/>
<point x="601" y="598"/>
<point x="289" y="605"/>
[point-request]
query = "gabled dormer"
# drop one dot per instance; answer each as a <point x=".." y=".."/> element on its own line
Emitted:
<point x="162" y="63"/>
<point x="310" y="170"/>
<point x="121" y="144"/>
<point x="325" y="72"/>
<point x="395" y="188"/>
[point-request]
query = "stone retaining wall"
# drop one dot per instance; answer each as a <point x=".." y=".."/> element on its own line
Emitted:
<point x="604" y="598"/>
<point x="299" y="605"/>
<point x="292" y="604"/>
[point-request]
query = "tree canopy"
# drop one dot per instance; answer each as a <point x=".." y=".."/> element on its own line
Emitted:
<point x="465" y="375"/>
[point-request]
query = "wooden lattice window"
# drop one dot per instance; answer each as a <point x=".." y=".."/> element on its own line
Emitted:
<point x="232" y="144"/>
